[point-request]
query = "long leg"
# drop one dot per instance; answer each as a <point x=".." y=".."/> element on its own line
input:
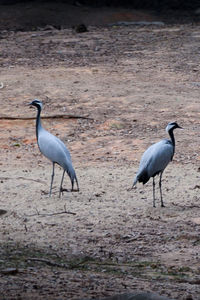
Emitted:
<point x="160" y="186"/>
<point x="52" y="177"/>
<point x="61" y="189"/>
<point x="154" y="205"/>
<point x="77" y="184"/>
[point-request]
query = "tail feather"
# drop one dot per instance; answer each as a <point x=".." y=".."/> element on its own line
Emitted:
<point x="141" y="177"/>
<point x="72" y="178"/>
<point x="71" y="172"/>
<point x="135" y="181"/>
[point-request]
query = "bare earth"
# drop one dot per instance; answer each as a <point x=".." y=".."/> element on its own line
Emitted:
<point x="130" y="81"/>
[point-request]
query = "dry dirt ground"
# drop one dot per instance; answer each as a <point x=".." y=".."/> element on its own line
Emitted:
<point x="129" y="82"/>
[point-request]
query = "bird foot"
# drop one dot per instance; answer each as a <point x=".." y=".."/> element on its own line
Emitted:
<point x="45" y="193"/>
<point x="131" y="188"/>
<point x="67" y="190"/>
<point x="64" y="190"/>
<point x="74" y="190"/>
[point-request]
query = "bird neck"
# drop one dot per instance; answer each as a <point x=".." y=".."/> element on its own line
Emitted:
<point x="38" y="121"/>
<point x="171" y="134"/>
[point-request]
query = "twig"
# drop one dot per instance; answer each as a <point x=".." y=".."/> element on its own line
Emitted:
<point x="52" y="214"/>
<point x="76" y="265"/>
<point x="48" y="262"/>
<point x="37" y="211"/>
<point x="51" y="263"/>
<point x="23" y="178"/>
<point x="61" y="116"/>
<point x="143" y="23"/>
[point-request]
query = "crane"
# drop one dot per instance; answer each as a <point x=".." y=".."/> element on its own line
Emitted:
<point x="155" y="159"/>
<point x="55" y="150"/>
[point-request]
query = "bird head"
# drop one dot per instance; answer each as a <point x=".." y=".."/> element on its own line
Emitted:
<point x="37" y="103"/>
<point x="172" y="126"/>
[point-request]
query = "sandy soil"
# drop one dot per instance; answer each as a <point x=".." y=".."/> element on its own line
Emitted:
<point x="129" y="82"/>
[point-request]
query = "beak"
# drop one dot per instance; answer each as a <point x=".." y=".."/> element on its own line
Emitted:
<point x="30" y="105"/>
<point x="180" y="127"/>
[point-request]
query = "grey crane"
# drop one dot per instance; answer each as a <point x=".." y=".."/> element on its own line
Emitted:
<point x="54" y="149"/>
<point x="155" y="159"/>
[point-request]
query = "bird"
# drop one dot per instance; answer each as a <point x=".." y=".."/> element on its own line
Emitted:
<point x="155" y="159"/>
<point x="55" y="150"/>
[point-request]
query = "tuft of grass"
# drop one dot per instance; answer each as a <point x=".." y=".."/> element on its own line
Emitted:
<point x="16" y="145"/>
<point x="117" y="125"/>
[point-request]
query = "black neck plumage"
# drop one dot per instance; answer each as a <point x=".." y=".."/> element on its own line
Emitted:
<point x="38" y="121"/>
<point x="171" y="134"/>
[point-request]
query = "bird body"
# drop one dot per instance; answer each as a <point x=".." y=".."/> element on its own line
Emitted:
<point x="155" y="159"/>
<point x="53" y="149"/>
